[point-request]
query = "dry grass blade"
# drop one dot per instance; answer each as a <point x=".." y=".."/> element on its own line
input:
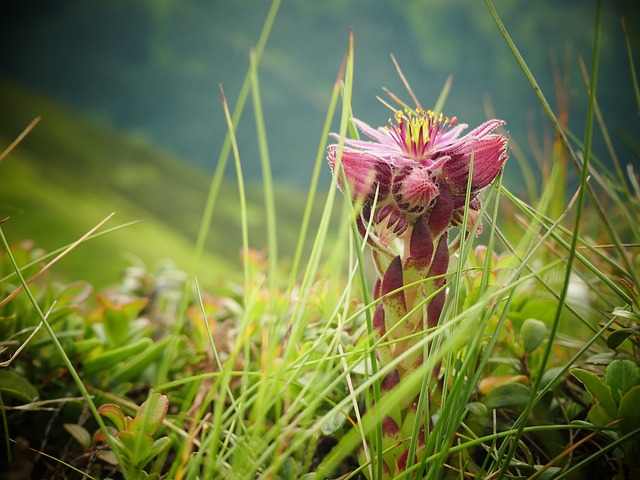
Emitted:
<point x="19" y="138"/>
<point x="6" y="363"/>
<point x="406" y="84"/>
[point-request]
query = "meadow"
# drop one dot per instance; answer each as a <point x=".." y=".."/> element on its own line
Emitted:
<point x="335" y="334"/>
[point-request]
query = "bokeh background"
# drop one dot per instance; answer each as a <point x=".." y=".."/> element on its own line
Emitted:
<point x="145" y="73"/>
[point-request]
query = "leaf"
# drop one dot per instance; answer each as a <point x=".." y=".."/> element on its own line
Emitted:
<point x="477" y="408"/>
<point x="150" y="414"/>
<point x="79" y="433"/>
<point x="157" y="448"/>
<point x="135" y="366"/>
<point x="629" y="411"/>
<point x="621" y="375"/>
<point x="108" y="359"/>
<point x="87" y="344"/>
<point x="598" y="415"/>
<point x="618" y="336"/>
<point x="116" y="327"/>
<point x="509" y="395"/>
<point x="600" y="391"/>
<point x="532" y="334"/>
<point x="488" y="384"/>
<point x="137" y="444"/>
<point x="602" y="358"/>
<point x="114" y="413"/>
<point x="16" y="386"/>
<point x="108" y="456"/>
<point x="117" y="317"/>
<point x="622" y="313"/>
<point x="333" y="421"/>
<point x="548" y="474"/>
<point x="395" y="306"/>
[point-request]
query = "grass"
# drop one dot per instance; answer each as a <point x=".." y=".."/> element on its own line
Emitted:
<point x="272" y="373"/>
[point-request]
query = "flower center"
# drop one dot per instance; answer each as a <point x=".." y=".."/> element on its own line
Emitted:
<point x="416" y="132"/>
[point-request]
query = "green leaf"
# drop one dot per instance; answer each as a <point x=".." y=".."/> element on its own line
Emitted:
<point x="618" y="336"/>
<point x="117" y="318"/>
<point x="87" y="344"/>
<point x="16" y="386"/>
<point x="629" y="411"/>
<point x="157" y="448"/>
<point x="108" y="359"/>
<point x="598" y="415"/>
<point x="333" y="421"/>
<point x="549" y="474"/>
<point x="137" y="445"/>
<point x="150" y="414"/>
<point x="532" y="334"/>
<point x="477" y="408"/>
<point x="136" y="365"/>
<point x="114" y="413"/>
<point x="508" y="395"/>
<point x="621" y="375"/>
<point x="116" y="327"/>
<point x="79" y="433"/>
<point x="620" y="312"/>
<point x="600" y="391"/>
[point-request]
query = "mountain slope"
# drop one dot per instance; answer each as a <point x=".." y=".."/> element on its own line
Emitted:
<point x="68" y="174"/>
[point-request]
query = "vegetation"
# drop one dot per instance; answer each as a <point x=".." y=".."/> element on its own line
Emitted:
<point x="533" y="370"/>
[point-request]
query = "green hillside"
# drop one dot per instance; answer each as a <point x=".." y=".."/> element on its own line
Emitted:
<point x="68" y="174"/>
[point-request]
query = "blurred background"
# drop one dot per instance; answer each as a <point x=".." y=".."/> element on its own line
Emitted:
<point x="132" y="120"/>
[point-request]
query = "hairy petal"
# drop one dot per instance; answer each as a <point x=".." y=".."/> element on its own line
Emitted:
<point x="439" y="266"/>
<point x="488" y="158"/>
<point x="420" y="245"/>
<point x="442" y="210"/>
<point x="360" y="170"/>
<point x="395" y="306"/>
<point x="486" y="128"/>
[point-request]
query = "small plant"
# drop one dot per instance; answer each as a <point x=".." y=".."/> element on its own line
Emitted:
<point x="135" y="436"/>
<point x="411" y="185"/>
<point x="615" y="398"/>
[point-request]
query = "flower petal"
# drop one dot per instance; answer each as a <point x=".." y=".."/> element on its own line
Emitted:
<point x="441" y="212"/>
<point x="364" y="172"/>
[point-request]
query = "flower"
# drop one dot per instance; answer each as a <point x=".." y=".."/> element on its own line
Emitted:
<point x="418" y="166"/>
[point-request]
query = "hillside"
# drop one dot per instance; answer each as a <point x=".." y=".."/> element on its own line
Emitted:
<point x="68" y="174"/>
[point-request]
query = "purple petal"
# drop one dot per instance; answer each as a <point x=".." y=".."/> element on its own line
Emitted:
<point x="441" y="212"/>
<point x="434" y="309"/>
<point x="390" y="428"/>
<point x="392" y="281"/>
<point x="379" y="135"/>
<point x="395" y="307"/>
<point x="421" y="244"/>
<point x="440" y="263"/>
<point x="360" y="169"/>
<point x="439" y="266"/>
<point x="391" y="380"/>
<point x="486" y="128"/>
<point x="488" y="157"/>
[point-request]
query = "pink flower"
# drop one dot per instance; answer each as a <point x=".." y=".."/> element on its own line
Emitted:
<point x="407" y="166"/>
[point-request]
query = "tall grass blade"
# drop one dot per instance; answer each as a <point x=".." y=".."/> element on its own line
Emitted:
<point x="577" y="223"/>
<point x="214" y="188"/>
